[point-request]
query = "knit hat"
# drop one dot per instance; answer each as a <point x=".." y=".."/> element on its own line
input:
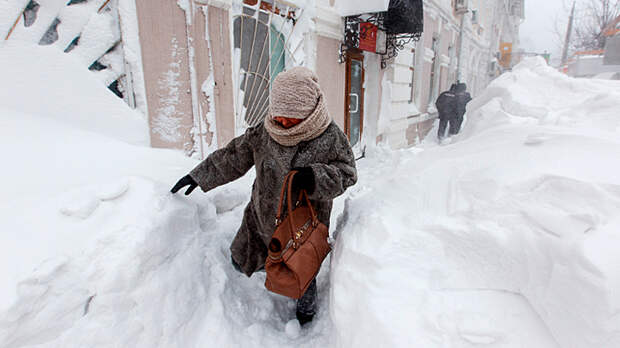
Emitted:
<point x="461" y="87"/>
<point x="294" y="93"/>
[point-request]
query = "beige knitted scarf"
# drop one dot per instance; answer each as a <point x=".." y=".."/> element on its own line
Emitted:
<point x="310" y="128"/>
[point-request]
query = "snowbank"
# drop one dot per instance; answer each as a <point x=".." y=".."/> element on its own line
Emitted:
<point x="457" y="245"/>
<point x="96" y="252"/>
<point x="536" y="93"/>
<point x="43" y="80"/>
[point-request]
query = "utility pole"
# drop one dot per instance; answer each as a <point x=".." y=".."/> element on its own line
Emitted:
<point x="569" y="31"/>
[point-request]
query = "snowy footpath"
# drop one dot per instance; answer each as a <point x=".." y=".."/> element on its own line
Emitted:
<point x="506" y="237"/>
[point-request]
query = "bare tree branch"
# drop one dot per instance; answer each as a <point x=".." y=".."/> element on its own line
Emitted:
<point x="591" y="19"/>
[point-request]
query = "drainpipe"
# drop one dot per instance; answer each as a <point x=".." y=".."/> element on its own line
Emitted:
<point x="460" y="54"/>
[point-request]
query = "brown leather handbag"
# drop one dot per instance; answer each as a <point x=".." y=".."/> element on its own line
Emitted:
<point x="298" y="246"/>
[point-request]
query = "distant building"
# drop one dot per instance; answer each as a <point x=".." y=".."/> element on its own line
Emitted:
<point x="611" y="55"/>
<point x="588" y="64"/>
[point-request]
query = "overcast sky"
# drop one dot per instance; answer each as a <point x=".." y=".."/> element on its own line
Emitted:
<point x="537" y="31"/>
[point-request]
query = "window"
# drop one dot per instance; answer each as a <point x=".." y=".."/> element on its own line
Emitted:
<point x="517" y="8"/>
<point x="260" y="53"/>
<point x="460" y="6"/>
<point x="276" y="53"/>
<point x="252" y="38"/>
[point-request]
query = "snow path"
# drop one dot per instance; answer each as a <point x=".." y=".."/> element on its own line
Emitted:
<point x="503" y="238"/>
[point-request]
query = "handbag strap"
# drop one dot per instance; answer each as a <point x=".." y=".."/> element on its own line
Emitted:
<point x="287" y="187"/>
<point x="304" y="194"/>
<point x="282" y="191"/>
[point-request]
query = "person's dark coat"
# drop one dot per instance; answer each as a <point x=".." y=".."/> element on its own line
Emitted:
<point x="462" y="98"/>
<point x="329" y="156"/>
<point x="447" y="104"/>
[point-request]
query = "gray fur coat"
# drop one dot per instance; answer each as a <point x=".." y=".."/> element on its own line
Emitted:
<point x="332" y="162"/>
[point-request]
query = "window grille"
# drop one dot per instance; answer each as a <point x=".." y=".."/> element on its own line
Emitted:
<point x="263" y="48"/>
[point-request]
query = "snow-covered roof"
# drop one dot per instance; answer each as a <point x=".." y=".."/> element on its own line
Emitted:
<point x="590" y="56"/>
<point x="611" y="75"/>
<point x="355" y="7"/>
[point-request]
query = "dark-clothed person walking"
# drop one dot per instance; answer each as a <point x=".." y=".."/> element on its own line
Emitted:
<point x="447" y="108"/>
<point x="298" y="133"/>
<point x="451" y="106"/>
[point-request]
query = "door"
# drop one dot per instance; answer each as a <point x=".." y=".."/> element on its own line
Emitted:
<point x="354" y="97"/>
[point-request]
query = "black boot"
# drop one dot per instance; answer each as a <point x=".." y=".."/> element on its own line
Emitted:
<point x="441" y="132"/>
<point x="304" y="318"/>
<point x="306" y="305"/>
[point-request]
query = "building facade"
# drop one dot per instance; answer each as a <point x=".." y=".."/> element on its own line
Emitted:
<point x="201" y="70"/>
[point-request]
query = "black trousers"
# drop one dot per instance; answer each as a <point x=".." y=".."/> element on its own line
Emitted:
<point x="443" y="124"/>
<point x="455" y="126"/>
<point x="306" y="304"/>
<point x="458" y="121"/>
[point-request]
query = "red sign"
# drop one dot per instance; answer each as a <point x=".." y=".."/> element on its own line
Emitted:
<point x="368" y="37"/>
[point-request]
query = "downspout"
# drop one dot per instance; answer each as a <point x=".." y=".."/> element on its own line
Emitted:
<point x="460" y="55"/>
<point x="196" y="110"/>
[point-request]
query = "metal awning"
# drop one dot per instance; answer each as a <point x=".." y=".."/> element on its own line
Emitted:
<point x="401" y="22"/>
<point x="397" y="16"/>
<point x="404" y="17"/>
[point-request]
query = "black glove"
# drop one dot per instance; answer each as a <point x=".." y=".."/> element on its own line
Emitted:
<point x="185" y="181"/>
<point x="304" y="179"/>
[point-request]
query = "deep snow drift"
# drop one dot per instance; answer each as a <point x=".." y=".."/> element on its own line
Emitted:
<point x="504" y="238"/>
<point x="441" y="245"/>
<point x="42" y="80"/>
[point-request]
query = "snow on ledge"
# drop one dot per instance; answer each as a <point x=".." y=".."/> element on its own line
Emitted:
<point x="356" y="7"/>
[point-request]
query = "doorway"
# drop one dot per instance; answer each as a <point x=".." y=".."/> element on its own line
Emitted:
<point x="354" y="97"/>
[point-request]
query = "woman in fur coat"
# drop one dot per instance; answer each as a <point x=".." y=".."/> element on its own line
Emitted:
<point x="298" y="133"/>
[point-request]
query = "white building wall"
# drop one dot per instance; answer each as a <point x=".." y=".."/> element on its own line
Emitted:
<point x="589" y="66"/>
<point x="391" y="114"/>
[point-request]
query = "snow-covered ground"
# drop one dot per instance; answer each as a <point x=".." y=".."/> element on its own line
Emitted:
<point x="506" y="237"/>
